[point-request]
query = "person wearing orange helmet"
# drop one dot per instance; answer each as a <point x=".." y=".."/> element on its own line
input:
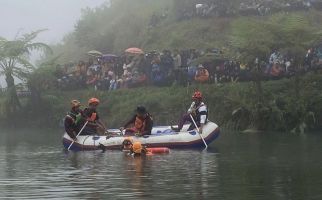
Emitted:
<point x="198" y="110"/>
<point x="137" y="149"/>
<point x="72" y="119"/>
<point x="94" y="124"/>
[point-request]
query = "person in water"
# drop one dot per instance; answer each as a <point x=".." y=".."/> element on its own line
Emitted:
<point x="94" y="125"/>
<point x="72" y="119"/>
<point x="198" y="111"/>
<point x="142" y="123"/>
<point x="137" y="149"/>
<point x="127" y="144"/>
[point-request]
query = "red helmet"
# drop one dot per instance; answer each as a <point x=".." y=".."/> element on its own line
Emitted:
<point x="93" y="101"/>
<point x="197" y="95"/>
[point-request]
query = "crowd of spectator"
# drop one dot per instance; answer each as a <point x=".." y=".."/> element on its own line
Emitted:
<point x="219" y="8"/>
<point x="177" y="67"/>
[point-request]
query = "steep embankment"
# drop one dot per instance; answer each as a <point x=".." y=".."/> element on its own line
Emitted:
<point x="128" y="23"/>
<point x="113" y="29"/>
<point x="157" y="25"/>
<point x="232" y="105"/>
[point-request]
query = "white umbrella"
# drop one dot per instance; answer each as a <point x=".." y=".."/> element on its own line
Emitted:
<point x="95" y="53"/>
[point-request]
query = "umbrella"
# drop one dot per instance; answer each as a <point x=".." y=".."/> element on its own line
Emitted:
<point x="95" y="53"/>
<point x="108" y="57"/>
<point x="134" y="50"/>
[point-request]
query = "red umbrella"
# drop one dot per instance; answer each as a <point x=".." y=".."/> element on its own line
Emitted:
<point x="134" y="50"/>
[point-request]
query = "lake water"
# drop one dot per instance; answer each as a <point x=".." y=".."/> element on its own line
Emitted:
<point x="268" y="166"/>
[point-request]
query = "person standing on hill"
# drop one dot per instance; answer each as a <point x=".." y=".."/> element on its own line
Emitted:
<point x="177" y="65"/>
<point x="202" y="74"/>
<point x="198" y="111"/>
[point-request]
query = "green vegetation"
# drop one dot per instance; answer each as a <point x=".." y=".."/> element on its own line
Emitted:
<point x="255" y="39"/>
<point x="284" y="105"/>
<point x="231" y="105"/>
<point x="14" y="63"/>
<point x="126" y="24"/>
<point x="113" y="29"/>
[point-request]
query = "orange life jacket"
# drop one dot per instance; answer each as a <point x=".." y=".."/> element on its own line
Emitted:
<point x="202" y="75"/>
<point x="92" y="118"/>
<point x="275" y="70"/>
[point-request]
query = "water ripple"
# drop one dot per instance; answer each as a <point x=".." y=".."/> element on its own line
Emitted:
<point x="246" y="167"/>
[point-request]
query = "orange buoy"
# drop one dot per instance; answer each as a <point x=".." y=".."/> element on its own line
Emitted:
<point x="158" y="150"/>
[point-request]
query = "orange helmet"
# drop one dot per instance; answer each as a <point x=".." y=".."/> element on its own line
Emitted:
<point x="137" y="147"/>
<point x="75" y="103"/>
<point x="93" y="101"/>
<point x="197" y="95"/>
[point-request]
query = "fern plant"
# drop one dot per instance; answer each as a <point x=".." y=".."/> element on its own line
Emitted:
<point x="14" y="62"/>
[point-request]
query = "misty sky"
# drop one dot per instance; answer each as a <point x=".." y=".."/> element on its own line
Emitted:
<point x="59" y="16"/>
<point x="24" y="16"/>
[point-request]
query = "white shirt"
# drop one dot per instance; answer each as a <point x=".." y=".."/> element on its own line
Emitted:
<point x="201" y="108"/>
<point x="177" y="61"/>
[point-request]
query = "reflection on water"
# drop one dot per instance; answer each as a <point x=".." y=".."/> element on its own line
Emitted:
<point x="257" y="166"/>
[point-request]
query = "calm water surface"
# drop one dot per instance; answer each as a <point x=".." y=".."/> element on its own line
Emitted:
<point x="236" y="166"/>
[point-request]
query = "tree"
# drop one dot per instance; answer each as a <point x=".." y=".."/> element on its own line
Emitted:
<point x="40" y="80"/>
<point x="14" y="62"/>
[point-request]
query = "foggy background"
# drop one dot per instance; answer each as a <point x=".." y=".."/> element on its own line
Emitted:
<point x="58" y="16"/>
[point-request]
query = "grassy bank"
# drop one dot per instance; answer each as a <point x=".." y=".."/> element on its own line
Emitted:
<point x="112" y="29"/>
<point x="232" y="105"/>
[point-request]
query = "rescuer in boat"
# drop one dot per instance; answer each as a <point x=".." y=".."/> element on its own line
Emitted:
<point x="94" y="125"/>
<point x="198" y="111"/>
<point x="142" y="121"/>
<point x="72" y="119"/>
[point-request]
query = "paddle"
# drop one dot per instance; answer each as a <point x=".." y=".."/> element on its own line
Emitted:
<point x="77" y="135"/>
<point x="198" y="131"/>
